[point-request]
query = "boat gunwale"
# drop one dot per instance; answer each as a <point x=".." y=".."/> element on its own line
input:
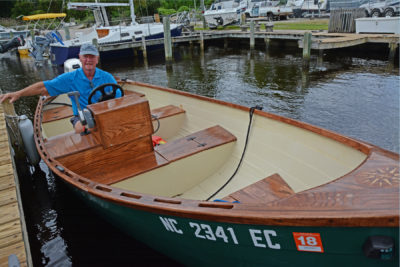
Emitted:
<point x="241" y="213"/>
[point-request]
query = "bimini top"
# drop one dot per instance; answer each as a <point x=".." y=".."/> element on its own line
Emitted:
<point x="44" y="16"/>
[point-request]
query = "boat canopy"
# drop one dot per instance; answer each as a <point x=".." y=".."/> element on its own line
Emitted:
<point x="44" y="16"/>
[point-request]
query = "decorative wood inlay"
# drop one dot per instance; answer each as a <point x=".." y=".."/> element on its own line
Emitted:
<point x="386" y="176"/>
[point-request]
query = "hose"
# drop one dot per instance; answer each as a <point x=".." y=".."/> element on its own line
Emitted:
<point x="251" y="112"/>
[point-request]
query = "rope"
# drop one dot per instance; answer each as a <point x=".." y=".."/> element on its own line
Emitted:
<point x="251" y="112"/>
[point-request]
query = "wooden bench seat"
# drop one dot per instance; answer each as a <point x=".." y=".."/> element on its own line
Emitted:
<point x="194" y="143"/>
<point x="166" y="111"/>
<point x="266" y="190"/>
<point x="70" y="143"/>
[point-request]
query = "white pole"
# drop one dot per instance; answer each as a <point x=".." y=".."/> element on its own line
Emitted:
<point x="132" y="12"/>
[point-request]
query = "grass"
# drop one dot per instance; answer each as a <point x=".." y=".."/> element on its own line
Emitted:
<point x="312" y="25"/>
<point x="302" y="25"/>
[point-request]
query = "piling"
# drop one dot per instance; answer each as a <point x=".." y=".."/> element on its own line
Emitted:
<point x="144" y="49"/>
<point x="307" y="46"/>
<point x="392" y="51"/>
<point x="252" y="38"/>
<point x="67" y="34"/>
<point x="202" y="41"/>
<point x="242" y="19"/>
<point x="167" y="39"/>
<point x="267" y="43"/>
<point x="225" y="43"/>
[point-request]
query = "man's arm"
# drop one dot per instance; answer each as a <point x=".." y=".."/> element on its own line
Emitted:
<point x="34" y="89"/>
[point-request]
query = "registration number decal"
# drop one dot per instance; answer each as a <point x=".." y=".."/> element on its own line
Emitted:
<point x="310" y="242"/>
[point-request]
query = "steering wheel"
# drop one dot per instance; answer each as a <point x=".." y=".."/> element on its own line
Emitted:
<point x="104" y="95"/>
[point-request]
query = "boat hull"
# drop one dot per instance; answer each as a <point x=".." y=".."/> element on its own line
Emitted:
<point x="203" y="242"/>
<point x="59" y="54"/>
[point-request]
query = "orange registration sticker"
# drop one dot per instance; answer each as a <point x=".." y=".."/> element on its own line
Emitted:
<point x="308" y="242"/>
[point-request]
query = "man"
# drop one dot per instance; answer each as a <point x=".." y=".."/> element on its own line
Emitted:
<point x="83" y="80"/>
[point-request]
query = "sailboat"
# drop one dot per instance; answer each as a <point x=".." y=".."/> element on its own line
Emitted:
<point x="104" y="33"/>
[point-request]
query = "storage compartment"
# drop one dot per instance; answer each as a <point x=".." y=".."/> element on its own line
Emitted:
<point x="122" y="120"/>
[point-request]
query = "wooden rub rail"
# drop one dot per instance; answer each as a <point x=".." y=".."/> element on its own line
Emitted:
<point x="12" y="225"/>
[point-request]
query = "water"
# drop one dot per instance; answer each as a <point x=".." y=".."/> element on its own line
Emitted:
<point x="355" y="93"/>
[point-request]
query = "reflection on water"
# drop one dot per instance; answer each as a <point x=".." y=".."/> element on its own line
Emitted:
<point x="354" y="93"/>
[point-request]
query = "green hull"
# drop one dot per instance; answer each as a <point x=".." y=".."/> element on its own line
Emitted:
<point x="204" y="243"/>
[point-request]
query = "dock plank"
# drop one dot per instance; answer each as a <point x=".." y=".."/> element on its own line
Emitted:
<point x="8" y="196"/>
<point x="17" y="249"/>
<point x="11" y="240"/>
<point x="11" y="226"/>
<point x="6" y="182"/>
<point x="6" y="169"/>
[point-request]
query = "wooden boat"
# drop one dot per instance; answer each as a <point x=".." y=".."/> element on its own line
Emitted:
<point x="301" y="194"/>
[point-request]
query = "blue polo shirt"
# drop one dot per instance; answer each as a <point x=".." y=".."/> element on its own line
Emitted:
<point x="77" y="81"/>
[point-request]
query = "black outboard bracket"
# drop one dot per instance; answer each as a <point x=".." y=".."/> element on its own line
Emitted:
<point x="13" y="43"/>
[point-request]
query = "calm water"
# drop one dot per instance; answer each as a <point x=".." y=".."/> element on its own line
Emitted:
<point x="355" y="93"/>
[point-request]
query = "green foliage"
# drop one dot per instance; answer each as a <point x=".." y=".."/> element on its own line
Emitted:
<point x="166" y="12"/>
<point x="6" y="7"/>
<point x="183" y="8"/>
<point x="22" y="8"/>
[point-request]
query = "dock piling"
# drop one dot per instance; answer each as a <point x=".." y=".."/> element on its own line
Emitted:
<point x="307" y="46"/>
<point x="144" y="49"/>
<point x="167" y="39"/>
<point x="392" y="51"/>
<point x="267" y="43"/>
<point x="252" y="39"/>
<point x="202" y="41"/>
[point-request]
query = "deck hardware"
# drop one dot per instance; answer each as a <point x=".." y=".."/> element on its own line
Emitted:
<point x="102" y="188"/>
<point x="202" y="144"/>
<point x="191" y="138"/>
<point x="379" y="247"/>
<point x="124" y="194"/>
<point x="168" y="201"/>
<point x="61" y="169"/>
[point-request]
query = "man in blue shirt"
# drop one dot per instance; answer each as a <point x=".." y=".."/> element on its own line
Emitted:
<point x="83" y="80"/>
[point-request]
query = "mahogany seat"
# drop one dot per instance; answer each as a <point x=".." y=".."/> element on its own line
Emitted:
<point x="194" y="143"/>
<point x="70" y="143"/>
<point x="266" y="190"/>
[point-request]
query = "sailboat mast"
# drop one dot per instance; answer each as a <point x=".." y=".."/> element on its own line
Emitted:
<point x="132" y="12"/>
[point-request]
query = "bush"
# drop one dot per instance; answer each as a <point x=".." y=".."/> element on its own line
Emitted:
<point x="166" y="12"/>
<point x="183" y="8"/>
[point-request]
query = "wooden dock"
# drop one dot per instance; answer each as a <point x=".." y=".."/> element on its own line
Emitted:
<point x="13" y="234"/>
<point x="320" y="40"/>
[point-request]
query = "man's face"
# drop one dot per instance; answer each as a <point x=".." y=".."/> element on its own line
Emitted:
<point x="89" y="62"/>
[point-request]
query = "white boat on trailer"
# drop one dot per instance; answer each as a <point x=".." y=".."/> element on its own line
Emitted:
<point x="224" y="12"/>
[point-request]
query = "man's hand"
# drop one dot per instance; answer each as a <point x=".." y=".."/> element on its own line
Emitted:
<point x="14" y="96"/>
